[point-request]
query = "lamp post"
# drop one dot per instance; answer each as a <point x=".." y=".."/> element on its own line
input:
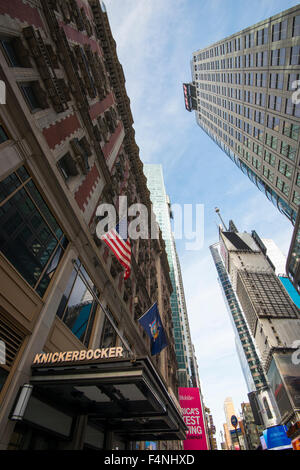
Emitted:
<point x="22" y="402"/>
<point x="217" y="210"/>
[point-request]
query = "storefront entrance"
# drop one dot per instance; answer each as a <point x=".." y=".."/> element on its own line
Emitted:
<point x="97" y="405"/>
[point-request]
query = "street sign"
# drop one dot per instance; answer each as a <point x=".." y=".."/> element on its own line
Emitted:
<point x="234" y="421"/>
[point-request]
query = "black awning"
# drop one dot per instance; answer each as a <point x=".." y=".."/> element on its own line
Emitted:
<point x="128" y="397"/>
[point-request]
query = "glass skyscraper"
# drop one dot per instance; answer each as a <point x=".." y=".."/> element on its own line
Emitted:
<point x="187" y="369"/>
<point x="250" y="362"/>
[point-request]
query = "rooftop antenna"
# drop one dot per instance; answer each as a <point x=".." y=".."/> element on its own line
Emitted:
<point x="218" y="212"/>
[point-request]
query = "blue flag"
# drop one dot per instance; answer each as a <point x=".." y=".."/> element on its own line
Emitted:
<point x="152" y="324"/>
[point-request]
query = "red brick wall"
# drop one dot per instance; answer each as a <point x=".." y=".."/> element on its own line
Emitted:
<point x="86" y="188"/>
<point x="101" y="106"/>
<point x="22" y="11"/>
<point x="80" y="38"/>
<point x="60" y="130"/>
<point x="113" y="138"/>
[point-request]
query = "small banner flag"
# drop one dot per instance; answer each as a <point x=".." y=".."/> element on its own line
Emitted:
<point x="118" y="241"/>
<point x="152" y="325"/>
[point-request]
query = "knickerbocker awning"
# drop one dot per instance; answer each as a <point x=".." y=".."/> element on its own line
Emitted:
<point x="127" y="396"/>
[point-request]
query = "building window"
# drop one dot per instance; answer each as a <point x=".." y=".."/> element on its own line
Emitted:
<point x="267" y="408"/>
<point x="273" y="122"/>
<point x="271" y="141"/>
<point x="15" y="52"/>
<point x="3" y="134"/>
<point x="291" y="130"/>
<point x="275" y="102"/>
<point x="249" y="40"/>
<point x="67" y="166"/>
<point x="293" y="77"/>
<point x="256" y="163"/>
<point x="279" y="31"/>
<point x="283" y="186"/>
<point x="35" y="96"/>
<point x="78" y="306"/>
<point x="259" y="116"/>
<point x="260" y="99"/>
<point x="278" y="57"/>
<point x="262" y="59"/>
<point x="13" y="340"/>
<point x="109" y="335"/>
<point x="296" y="26"/>
<point x="268" y="174"/>
<point x="260" y="79"/>
<point x="295" y="55"/>
<point x="296" y="198"/>
<point x="276" y="81"/>
<point x="288" y="151"/>
<point x="291" y="108"/>
<point x="262" y="37"/>
<point x="285" y="169"/>
<point x="31" y="238"/>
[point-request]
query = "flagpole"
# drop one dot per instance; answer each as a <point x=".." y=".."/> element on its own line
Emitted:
<point x="108" y="316"/>
<point x="146" y="311"/>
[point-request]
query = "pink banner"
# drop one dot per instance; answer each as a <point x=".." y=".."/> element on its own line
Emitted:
<point x="190" y="403"/>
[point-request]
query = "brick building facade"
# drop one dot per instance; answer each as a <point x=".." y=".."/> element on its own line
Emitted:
<point x="68" y="145"/>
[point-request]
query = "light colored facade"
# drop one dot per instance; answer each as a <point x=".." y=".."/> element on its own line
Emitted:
<point x="227" y="437"/>
<point x="244" y="86"/>
<point x="271" y="315"/>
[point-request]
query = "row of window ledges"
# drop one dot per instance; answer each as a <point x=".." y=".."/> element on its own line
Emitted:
<point x="273" y="103"/>
<point x="285" y="149"/>
<point x="279" y="32"/>
<point x="277" y="81"/>
<point x="34" y="94"/>
<point x="283" y="57"/>
<point x="288" y="129"/>
<point x="278" y="201"/>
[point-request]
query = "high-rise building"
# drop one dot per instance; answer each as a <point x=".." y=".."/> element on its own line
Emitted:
<point x="250" y="361"/>
<point x="229" y="411"/>
<point x="211" y="430"/>
<point x="244" y="95"/>
<point x="227" y="437"/>
<point x="187" y="365"/>
<point x="271" y="316"/>
<point x="76" y="369"/>
<point x="244" y="85"/>
<point x="251" y="431"/>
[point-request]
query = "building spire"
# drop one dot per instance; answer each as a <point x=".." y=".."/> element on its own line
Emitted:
<point x="217" y="210"/>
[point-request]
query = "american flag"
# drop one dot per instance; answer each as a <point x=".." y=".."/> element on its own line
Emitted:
<point x="117" y="240"/>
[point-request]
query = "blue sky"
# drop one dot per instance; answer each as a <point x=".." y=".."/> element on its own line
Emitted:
<point x="155" y="41"/>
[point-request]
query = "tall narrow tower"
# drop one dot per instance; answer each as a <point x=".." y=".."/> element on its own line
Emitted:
<point x="187" y="366"/>
<point x="272" y="318"/>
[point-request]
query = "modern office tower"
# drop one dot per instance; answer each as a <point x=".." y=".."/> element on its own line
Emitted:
<point x="244" y="87"/>
<point x="227" y="437"/>
<point x="211" y="430"/>
<point x="251" y="431"/>
<point x="229" y="411"/>
<point x="271" y="316"/>
<point x="187" y="368"/>
<point x="66" y="146"/>
<point x="249" y="359"/>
